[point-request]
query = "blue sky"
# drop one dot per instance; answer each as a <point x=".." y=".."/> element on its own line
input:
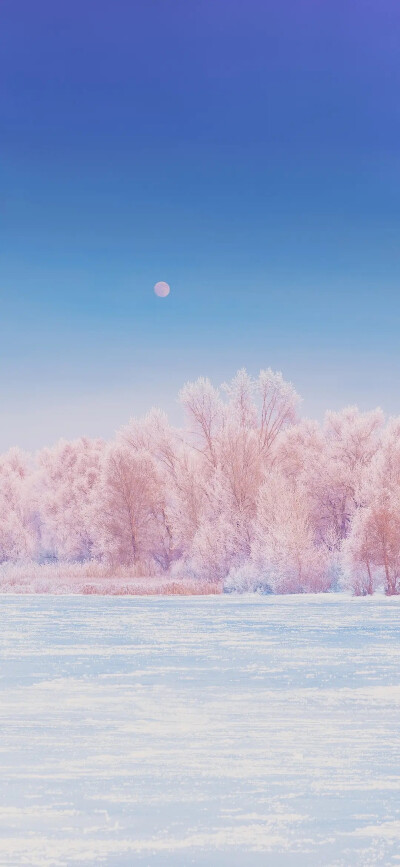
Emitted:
<point x="247" y="153"/>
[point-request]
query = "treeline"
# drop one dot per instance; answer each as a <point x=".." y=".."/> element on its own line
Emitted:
<point x="245" y="494"/>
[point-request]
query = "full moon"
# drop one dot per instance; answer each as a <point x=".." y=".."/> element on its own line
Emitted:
<point x="162" y="289"/>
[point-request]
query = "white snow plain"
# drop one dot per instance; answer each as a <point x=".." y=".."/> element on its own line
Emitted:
<point x="215" y="731"/>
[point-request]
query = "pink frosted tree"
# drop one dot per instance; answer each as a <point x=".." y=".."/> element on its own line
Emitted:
<point x="223" y="535"/>
<point x="331" y="462"/>
<point x="373" y="546"/>
<point x="244" y="493"/>
<point x="360" y="574"/>
<point x="180" y="472"/>
<point x="279" y="404"/>
<point x="284" y="550"/>
<point x="18" y="522"/>
<point x="351" y="440"/>
<point x="205" y="413"/>
<point x="265" y="405"/>
<point x="67" y="476"/>
<point x="124" y="512"/>
<point x="153" y="434"/>
<point x="234" y="439"/>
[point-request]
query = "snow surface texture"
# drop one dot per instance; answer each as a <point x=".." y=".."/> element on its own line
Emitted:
<point x="219" y="731"/>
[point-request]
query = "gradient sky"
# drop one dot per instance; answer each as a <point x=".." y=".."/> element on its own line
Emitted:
<point x="245" y="152"/>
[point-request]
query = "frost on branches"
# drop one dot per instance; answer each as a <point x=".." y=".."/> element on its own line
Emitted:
<point x="246" y="496"/>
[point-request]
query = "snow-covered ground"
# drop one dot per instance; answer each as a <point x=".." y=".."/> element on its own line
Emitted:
<point x="218" y="731"/>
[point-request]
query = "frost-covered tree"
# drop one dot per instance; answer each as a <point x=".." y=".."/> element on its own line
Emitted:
<point x="180" y="471"/>
<point x="360" y="575"/>
<point x="67" y="476"/>
<point x="351" y="439"/>
<point x="18" y="523"/>
<point x="244" y="494"/>
<point x="373" y="546"/>
<point x="124" y="512"/>
<point x="331" y="461"/>
<point x="234" y="439"/>
<point x="285" y="549"/>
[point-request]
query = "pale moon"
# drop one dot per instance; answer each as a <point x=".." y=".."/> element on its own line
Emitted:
<point x="162" y="289"/>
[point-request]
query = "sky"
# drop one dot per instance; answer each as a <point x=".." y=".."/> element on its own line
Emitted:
<point x="245" y="152"/>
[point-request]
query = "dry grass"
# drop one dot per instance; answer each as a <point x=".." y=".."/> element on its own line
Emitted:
<point x="98" y="579"/>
